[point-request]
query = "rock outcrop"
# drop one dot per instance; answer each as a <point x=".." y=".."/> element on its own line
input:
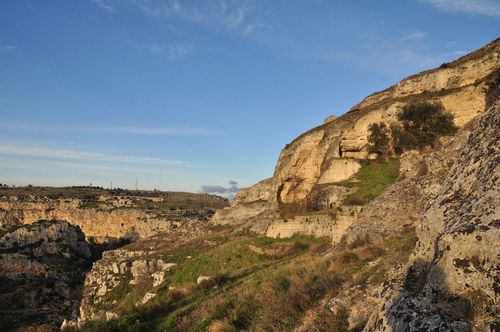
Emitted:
<point x="452" y="280"/>
<point x="466" y="88"/>
<point x="318" y="225"/>
<point x="119" y="269"/>
<point x="43" y="263"/>
<point x="450" y="193"/>
<point x="254" y="206"/>
<point x="104" y="219"/>
<point x="42" y="268"/>
<point x="140" y="268"/>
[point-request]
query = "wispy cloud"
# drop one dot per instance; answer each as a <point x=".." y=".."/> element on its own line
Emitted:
<point x="7" y="48"/>
<point x="67" y="172"/>
<point x="408" y="53"/>
<point x="226" y="14"/>
<point x="58" y="165"/>
<point x="39" y="152"/>
<point x="239" y="16"/>
<point x="154" y="131"/>
<point x="475" y="7"/>
<point x="119" y="130"/>
<point x="103" y="4"/>
<point x="172" y="51"/>
<point x="414" y="35"/>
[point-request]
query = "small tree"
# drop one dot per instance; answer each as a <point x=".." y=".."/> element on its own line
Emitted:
<point x="422" y="123"/>
<point x="378" y="138"/>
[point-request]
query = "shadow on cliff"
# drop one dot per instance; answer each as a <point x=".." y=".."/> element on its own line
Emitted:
<point x="39" y="289"/>
<point x="97" y="249"/>
<point x="427" y="304"/>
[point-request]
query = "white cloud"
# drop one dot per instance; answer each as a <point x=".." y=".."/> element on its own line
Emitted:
<point x="414" y="35"/>
<point x="156" y="131"/>
<point x="252" y="26"/>
<point x="39" y="152"/>
<point x="227" y="192"/>
<point x="476" y="7"/>
<point x="147" y="131"/>
<point x="103" y="4"/>
<point x="7" y="48"/>
<point x="172" y="51"/>
<point x="239" y="16"/>
<point x="407" y="53"/>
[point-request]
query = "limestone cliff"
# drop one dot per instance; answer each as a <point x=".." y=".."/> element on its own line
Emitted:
<point x="451" y="282"/>
<point x="43" y="264"/>
<point x="324" y="155"/>
<point x="135" y="271"/>
<point x="109" y="217"/>
<point x="42" y="268"/>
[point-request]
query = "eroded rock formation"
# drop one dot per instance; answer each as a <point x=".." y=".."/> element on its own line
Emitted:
<point x="106" y="218"/>
<point x="452" y="280"/>
<point x="42" y="268"/>
<point x="466" y="88"/>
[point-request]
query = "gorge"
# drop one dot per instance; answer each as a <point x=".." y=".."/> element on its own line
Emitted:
<point x="338" y="239"/>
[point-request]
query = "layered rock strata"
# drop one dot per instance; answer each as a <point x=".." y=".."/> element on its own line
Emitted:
<point x="42" y="268"/>
<point x="103" y="220"/>
<point x="323" y="155"/>
<point x="452" y="280"/>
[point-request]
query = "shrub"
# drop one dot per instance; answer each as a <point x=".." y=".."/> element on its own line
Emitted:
<point x="328" y="321"/>
<point x="379" y="138"/>
<point x="244" y="312"/>
<point x="282" y="284"/>
<point x="420" y="125"/>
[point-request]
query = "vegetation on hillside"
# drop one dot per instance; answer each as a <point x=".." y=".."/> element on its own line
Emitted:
<point x="379" y="138"/>
<point x="420" y="124"/>
<point x="371" y="180"/>
<point x="90" y="196"/>
<point x="259" y="284"/>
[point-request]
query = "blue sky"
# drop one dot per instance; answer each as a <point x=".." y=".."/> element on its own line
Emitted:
<point x="207" y="93"/>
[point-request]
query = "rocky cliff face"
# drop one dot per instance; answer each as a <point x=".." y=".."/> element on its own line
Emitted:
<point x="131" y="276"/>
<point x="43" y="264"/>
<point x="466" y="88"/>
<point x="452" y="280"/>
<point x="42" y="268"/>
<point x="107" y="217"/>
<point x="450" y="194"/>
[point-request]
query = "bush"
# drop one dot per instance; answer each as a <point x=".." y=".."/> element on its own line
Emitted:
<point x="421" y="124"/>
<point x="379" y="138"/>
<point x="328" y="321"/>
<point x="282" y="284"/>
<point x="244" y="313"/>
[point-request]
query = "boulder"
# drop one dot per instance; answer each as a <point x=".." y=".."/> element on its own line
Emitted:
<point x="203" y="279"/>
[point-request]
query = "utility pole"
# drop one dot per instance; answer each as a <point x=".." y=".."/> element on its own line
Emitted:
<point x="159" y="182"/>
<point x="111" y="185"/>
<point x="135" y="184"/>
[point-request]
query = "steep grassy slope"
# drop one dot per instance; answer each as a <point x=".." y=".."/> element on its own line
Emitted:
<point x="371" y="180"/>
<point x="257" y="283"/>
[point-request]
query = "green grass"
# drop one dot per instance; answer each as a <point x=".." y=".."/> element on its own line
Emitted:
<point x="270" y="290"/>
<point x="371" y="180"/>
<point x="232" y="256"/>
<point x="228" y="257"/>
